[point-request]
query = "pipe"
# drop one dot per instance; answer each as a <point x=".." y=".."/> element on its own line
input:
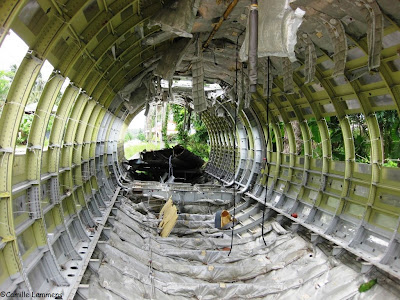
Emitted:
<point x="221" y="20"/>
<point x="253" y="45"/>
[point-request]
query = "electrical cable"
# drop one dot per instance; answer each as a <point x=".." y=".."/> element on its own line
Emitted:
<point x="234" y="141"/>
<point x="266" y="156"/>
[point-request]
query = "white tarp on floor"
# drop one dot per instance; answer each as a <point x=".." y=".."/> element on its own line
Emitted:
<point x="138" y="264"/>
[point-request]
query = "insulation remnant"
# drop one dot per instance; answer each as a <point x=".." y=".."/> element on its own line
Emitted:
<point x="178" y="17"/>
<point x="277" y="25"/>
<point x="220" y="112"/>
<point x="268" y="79"/>
<point x="199" y="99"/>
<point x="247" y="95"/>
<point x="338" y="37"/>
<point x="131" y="87"/>
<point x="311" y="58"/>
<point x="240" y="88"/>
<point x="169" y="217"/>
<point x="375" y="31"/>
<point x="158" y="38"/>
<point x="171" y="59"/>
<point x="287" y="76"/>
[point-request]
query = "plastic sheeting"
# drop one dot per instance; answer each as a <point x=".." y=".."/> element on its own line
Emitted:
<point x="98" y="292"/>
<point x="243" y="269"/>
<point x="202" y="253"/>
<point x="138" y="264"/>
<point x="277" y="29"/>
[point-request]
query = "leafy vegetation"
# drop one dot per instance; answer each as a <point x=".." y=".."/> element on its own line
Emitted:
<point x="360" y="135"/>
<point x="134" y="134"/>
<point x="164" y="129"/>
<point x="362" y="144"/>
<point x="197" y="142"/>
<point x="316" y="145"/>
<point x="24" y="129"/>
<point x="141" y="136"/>
<point x="179" y="115"/>
<point x="389" y="126"/>
<point x="6" y="77"/>
<point x="37" y="89"/>
<point x="128" y="136"/>
<point x="388" y="121"/>
<point x="336" y="135"/>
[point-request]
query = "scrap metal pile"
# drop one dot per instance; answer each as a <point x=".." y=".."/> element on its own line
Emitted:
<point x="172" y="164"/>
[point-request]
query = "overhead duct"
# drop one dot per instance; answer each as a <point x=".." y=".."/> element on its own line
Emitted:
<point x="277" y="30"/>
<point x="253" y="45"/>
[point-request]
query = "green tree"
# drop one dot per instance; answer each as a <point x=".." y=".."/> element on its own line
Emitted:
<point x="362" y="145"/>
<point x="141" y="136"/>
<point x="164" y="130"/>
<point x="27" y="119"/>
<point x="179" y="113"/>
<point x="59" y="97"/>
<point x="37" y="89"/>
<point x="24" y="129"/>
<point x="5" y="83"/>
<point x="389" y="126"/>
<point x="6" y="78"/>
<point x="13" y="71"/>
<point x="336" y="136"/>
<point x="315" y="138"/>
<point x="128" y="136"/>
<point x="197" y="142"/>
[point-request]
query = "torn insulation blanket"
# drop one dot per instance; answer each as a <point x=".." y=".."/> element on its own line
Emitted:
<point x="277" y="30"/>
<point x="178" y="17"/>
<point x="199" y="98"/>
<point x="172" y="58"/>
<point x="127" y="92"/>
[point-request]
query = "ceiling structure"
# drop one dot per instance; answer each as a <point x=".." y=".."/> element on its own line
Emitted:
<point x="346" y="63"/>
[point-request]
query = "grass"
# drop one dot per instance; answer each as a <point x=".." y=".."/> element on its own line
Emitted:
<point x="133" y="149"/>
